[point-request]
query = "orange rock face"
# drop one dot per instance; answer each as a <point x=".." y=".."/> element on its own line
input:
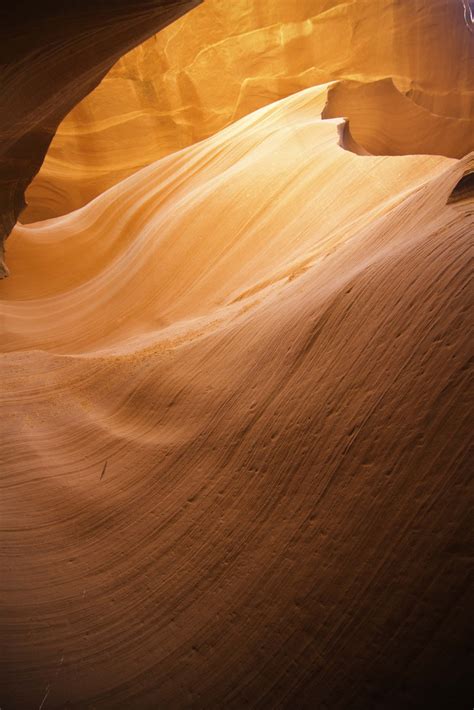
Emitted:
<point x="235" y="403"/>
<point x="52" y="54"/>
<point x="227" y="59"/>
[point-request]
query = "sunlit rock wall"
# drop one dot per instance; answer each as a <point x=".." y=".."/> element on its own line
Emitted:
<point x="226" y="59"/>
<point x="52" y="54"/>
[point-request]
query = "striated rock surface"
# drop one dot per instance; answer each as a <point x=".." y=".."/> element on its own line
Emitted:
<point x="235" y="419"/>
<point x="236" y="391"/>
<point x="227" y="59"/>
<point x="51" y="55"/>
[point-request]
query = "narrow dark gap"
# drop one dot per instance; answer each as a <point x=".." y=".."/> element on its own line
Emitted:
<point x="464" y="190"/>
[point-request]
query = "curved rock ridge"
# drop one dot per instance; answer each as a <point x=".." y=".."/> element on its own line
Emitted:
<point x="225" y="60"/>
<point x="144" y="253"/>
<point x="386" y="122"/>
<point x="52" y="54"/>
<point x="235" y="415"/>
<point x="469" y="15"/>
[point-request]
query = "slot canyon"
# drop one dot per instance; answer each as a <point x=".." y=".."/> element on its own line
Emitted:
<point x="236" y="327"/>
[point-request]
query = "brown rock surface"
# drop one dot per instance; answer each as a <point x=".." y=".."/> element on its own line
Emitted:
<point x="236" y="385"/>
<point x="236" y="431"/>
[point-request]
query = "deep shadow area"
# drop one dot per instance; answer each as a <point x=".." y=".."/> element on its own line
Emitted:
<point x="464" y="189"/>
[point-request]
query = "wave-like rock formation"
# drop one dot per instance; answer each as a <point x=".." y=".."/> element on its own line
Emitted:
<point x="235" y="415"/>
<point x="52" y="54"/>
<point x="235" y="355"/>
<point x="225" y="60"/>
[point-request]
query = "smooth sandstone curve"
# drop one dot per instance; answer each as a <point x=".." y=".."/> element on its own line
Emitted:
<point x="236" y="428"/>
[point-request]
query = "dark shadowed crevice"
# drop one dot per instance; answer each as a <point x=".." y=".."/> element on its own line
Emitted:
<point x="464" y="189"/>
